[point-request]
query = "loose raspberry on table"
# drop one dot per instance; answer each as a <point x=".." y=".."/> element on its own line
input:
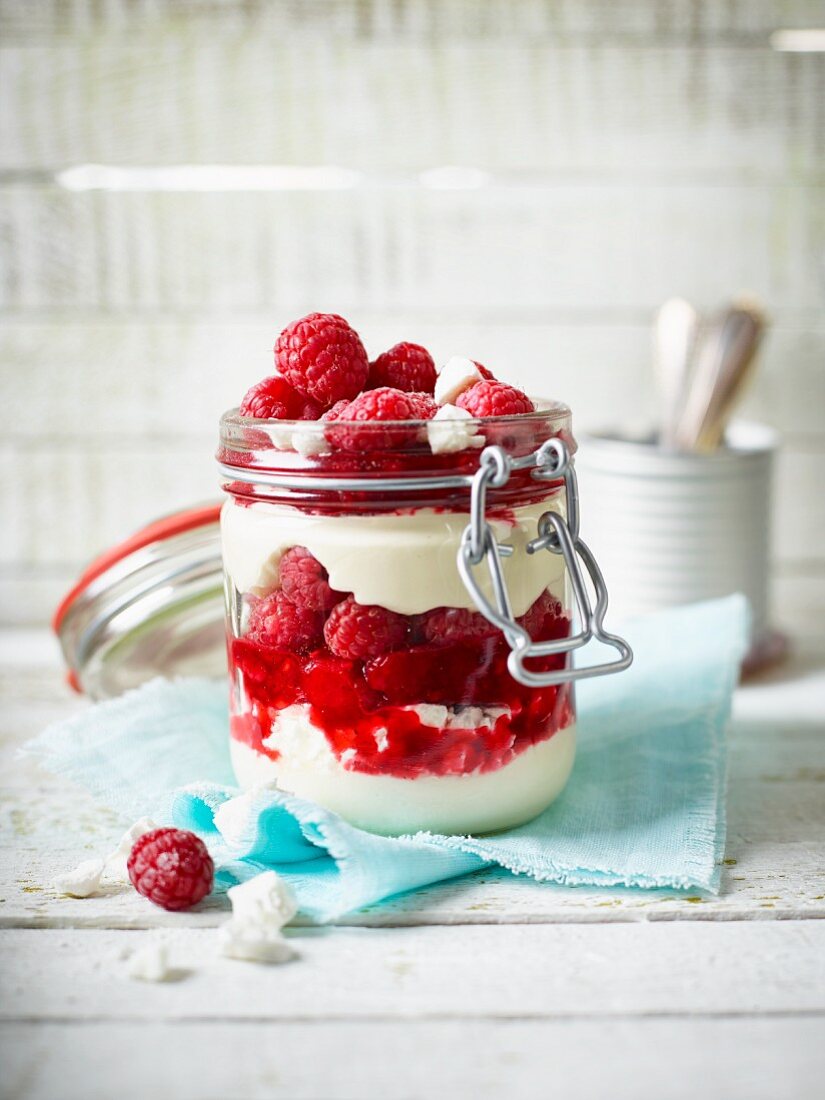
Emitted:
<point x="276" y="621"/>
<point x="171" y="867"/>
<point x="322" y="356"/>
<point x="360" y="631"/>
<point x="305" y="582"/>
<point x="372" y="407"/>
<point x="454" y="624"/>
<point x="489" y="398"/>
<point x="274" y="398"/>
<point x="407" y="367"/>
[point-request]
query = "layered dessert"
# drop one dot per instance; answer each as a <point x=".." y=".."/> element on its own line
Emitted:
<point x="363" y="675"/>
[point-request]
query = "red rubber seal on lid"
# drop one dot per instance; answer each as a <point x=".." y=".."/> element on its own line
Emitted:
<point x="165" y="528"/>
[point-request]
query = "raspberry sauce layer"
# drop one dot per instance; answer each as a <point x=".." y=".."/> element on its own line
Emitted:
<point x="376" y="714"/>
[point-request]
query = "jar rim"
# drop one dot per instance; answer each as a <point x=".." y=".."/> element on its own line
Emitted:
<point x="546" y="409"/>
<point x="302" y="462"/>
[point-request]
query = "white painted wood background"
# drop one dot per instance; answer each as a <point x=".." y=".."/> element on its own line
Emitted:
<point x="625" y="152"/>
<point x="475" y="989"/>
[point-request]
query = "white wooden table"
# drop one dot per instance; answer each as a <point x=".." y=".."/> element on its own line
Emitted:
<point x="489" y="986"/>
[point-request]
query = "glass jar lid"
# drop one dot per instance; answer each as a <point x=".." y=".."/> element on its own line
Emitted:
<point x="149" y="606"/>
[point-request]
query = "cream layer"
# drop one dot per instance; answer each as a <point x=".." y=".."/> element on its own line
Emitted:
<point x="403" y="561"/>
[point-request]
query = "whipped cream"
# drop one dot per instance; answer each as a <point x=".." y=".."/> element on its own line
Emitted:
<point x="456" y="376"/>
<point x="476" y="803"/>
<point x="260" y="908"/>
<point x="405" y="562"/>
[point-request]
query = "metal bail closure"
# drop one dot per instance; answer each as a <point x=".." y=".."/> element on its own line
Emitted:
<point x="478" y="543"/>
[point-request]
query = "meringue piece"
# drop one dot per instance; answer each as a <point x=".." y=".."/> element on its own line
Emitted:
<point x="281" y="438"/>
<point x="310" y="440"/>
<point x="260" y="909"/>
<point x="265" y="899"/>
<point x="252" y="944"/>
<point x="456" y="376"/>
<point x="448" y="431"/>
<point x="149" y="963"/>
<point x="83" y="881"/>
<point x="116" y="860"/>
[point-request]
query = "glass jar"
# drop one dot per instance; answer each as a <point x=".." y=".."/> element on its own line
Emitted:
<point x="399" y="636"/>
<point x="150" y="606"/>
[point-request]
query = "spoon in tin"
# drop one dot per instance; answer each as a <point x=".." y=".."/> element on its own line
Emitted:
<point x="674" y="338"/>
<point x="724" y="359"/>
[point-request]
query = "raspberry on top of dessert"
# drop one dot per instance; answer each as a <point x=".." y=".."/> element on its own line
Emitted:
<point x="323" y="373"/>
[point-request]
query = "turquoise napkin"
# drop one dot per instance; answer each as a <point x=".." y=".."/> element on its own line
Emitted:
<point x="645" y="805"/>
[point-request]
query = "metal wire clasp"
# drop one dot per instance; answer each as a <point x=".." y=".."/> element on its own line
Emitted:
<point x="550" y="462"/>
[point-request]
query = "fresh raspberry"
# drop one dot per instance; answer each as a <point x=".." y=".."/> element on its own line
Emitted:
<point x="276" y="621"/>
<point x="274" y="398"/>
<point x="305" y="582"/>
<point x="423" y="404"/>
<point x="490" y="398"/>
<point x="322" y="356"/>
<point x="171" y="867"/>
<point x="534" y="618"/>
<point x="454" y="624"/>
<point x="364" y="630"/>
<point x="384" y="404"/>
<point x="337" y="410"/>
<point x="407" y="367"/>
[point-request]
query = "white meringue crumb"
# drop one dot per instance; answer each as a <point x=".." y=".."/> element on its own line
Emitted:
<point x="265" y="898"/>
<point x="149" y="963"/>
<point x="382" y="738"/>
<point x="260" y="909"/>
<point x="456" y="376"/>
<point x="448" y="431"/>
<point x="116" y="860"/>
<point x="281" y="438"/>
<point x="83" y="881"/>
<point x="310" y="440"/>
<point x="251" y="944"/>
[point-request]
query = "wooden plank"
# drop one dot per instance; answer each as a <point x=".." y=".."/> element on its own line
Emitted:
<point x="29" y="595"/>
<point x="133" y="376"/>
<point x="774" y="868"/>
<point x="737" y="22"/>
<point x="585" y="246"/>
<point x="66" y="503"/>
<point x="88" y="507"/>
<point x="513" y="972"/>
<point x="753" y="888"/>
<point x="761" y="1059"/>
<point x="513" y="100"/>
